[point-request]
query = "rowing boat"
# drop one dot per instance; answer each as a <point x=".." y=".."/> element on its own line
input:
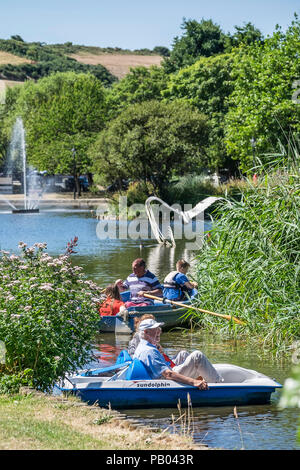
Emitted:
<point x="168" y="314"/>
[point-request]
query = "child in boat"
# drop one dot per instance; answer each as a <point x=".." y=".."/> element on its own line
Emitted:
<point x="112" y="304"/>
<point x="176" y="283"/>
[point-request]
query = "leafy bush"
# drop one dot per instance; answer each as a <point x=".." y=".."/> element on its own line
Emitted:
<point x="48" y="316"/>
<point x="138" y="192"/>
<point x="11" y="383"/>
<point x="189" y="189"/>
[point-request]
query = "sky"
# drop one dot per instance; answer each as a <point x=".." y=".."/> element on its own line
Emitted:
<point x="133" y="24"/>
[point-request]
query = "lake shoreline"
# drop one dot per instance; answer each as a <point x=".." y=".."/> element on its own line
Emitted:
<point x="62" y="200"/>
<point x="38" y="421"/>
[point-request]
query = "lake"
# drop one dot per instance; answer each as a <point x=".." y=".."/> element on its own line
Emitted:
<point x="104" y="261"/>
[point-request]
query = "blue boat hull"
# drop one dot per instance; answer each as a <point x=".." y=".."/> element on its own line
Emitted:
<point x="145" y="398"/>
<point x="170" y="317"/>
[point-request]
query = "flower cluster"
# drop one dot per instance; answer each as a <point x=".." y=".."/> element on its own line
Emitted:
<point x="48" y="314"/>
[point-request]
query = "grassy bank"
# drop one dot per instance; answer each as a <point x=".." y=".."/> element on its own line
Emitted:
<point x="34" y="421"/>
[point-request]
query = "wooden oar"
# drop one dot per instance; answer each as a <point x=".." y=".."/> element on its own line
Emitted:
<point x="179" y="304"/>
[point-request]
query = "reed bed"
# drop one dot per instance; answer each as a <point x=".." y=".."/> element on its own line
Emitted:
<point x="249" y="264"/>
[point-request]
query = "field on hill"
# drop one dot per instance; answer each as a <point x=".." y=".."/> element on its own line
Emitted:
<point x="118" y="64"/>
<point x="7" y="58"/>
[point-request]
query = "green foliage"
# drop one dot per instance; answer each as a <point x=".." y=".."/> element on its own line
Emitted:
<point x="151" y="141"/>
<point x="16" y="37"/>
<point x="290" y="397"/>
<point x="138" y="192"/>
<point x="249" y="266"/>
<point x="261" y="104"/>
<point x="199" y="39"/>
<point x="246" y="34"/>
<point x="6" y="110"/>
<point x="10" y="384"/>
<point x="291" y="391"/>
<point x="60" y="112"/>
<point x="161" y="50"/>
<point x="48" y="315"/>
<point x="141" y="84"/>
<point x="189" y="189"/>
<point x="207" y="85"/>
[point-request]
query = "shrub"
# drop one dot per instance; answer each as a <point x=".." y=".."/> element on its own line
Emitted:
<point x="48" y="315"/>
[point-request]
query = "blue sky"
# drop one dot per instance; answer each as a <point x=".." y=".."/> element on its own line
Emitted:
<point x="133" y="24"/>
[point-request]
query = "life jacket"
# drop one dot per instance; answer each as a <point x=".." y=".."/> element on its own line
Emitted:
<point x="170" y="283"/>
<point x="110" y="307"/>
<point x="168" y="360"/>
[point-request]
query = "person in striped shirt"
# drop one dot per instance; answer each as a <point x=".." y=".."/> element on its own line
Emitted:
<point x="139" y="282"/>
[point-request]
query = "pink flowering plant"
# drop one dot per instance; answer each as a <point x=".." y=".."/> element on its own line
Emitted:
<point x="48" y="316"/>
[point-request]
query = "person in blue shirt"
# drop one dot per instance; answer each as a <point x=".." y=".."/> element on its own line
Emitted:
<point x="177" y="284"/>
<point x="154" y="361"/>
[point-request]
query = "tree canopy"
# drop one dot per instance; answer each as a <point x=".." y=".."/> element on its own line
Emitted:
<point x="204" y="38"/>
<point x="141" y="84"/>
<point x="206" y="85"/>
<point x="261" y="105"/>
<point x="150" y="142"/>
<point x="60" y="112"/>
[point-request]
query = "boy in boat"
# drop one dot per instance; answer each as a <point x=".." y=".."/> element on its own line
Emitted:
<point x="176" y="283"/>
<point x="139" y="282"/>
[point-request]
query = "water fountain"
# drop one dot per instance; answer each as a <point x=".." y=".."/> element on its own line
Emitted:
<point x="17" y="161"/>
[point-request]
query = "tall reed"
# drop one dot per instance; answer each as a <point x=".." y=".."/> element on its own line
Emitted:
<point x="249" y="265"/>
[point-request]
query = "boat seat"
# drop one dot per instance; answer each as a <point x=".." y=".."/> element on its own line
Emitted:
<point x="235" y="374"/>
<point x="137" y="371"/>
<point x="123" y="357"/>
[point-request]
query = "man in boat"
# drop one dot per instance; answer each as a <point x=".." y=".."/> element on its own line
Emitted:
<point x="139" y="282"/>
<point x="176" y="283"/>
<point x="196" y="370"/>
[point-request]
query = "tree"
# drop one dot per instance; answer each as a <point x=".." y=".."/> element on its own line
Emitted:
<point x="246" y="34"/>
<point x="161" y="50"/>
<point x="60" y="112"/>
<point x="207" y="85"/>
<point x="16" y="37"/>
<point x="141" y="84"/>
<point x="199" y="39"/>
<point x="261" y="105"/>
<point x="150" y="142"/>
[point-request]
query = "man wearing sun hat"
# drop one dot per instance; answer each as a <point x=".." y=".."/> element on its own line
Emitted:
<point x="157" y="366"/>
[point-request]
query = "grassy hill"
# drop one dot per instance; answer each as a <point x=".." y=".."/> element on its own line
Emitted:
<point x="8" y="58"/>
<point x="117" y="64"/>
<point x="20" y="61"/>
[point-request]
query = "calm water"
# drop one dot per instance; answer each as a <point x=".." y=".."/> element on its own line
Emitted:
<point x="262" y="427"/>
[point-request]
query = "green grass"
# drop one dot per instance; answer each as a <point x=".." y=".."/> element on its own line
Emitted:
<point x="37" y="421"/>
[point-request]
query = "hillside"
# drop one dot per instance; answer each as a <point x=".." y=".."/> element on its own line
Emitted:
<point x="117" y="64"/>
<point x="8" y="58"/>
<point x="20" y="60"/>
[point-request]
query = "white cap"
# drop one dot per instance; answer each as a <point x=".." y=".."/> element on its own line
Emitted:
<point x="149" y="324"/>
